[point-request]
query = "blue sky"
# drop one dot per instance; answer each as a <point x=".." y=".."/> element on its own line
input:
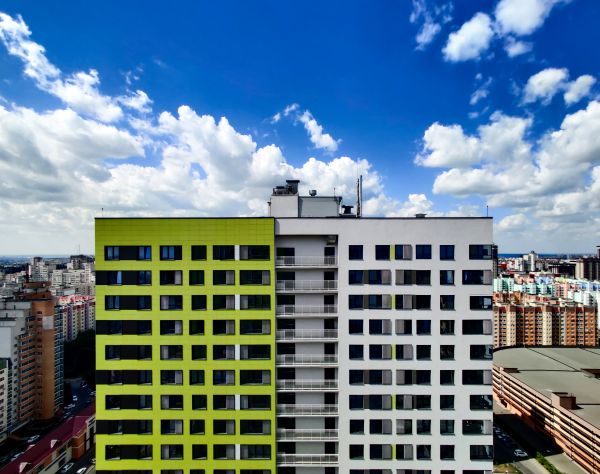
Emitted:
<point x="443" y="106"/>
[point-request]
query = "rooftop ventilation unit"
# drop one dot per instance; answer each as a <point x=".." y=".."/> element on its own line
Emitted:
<point x="312" y="192"/>
<point x="420" y="215"/>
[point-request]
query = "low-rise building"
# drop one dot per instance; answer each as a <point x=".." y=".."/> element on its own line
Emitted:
<point x="556" y="391"/>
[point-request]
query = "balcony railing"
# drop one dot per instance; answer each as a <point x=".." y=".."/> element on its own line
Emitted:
<point x="309" y="410"/>
<point x="306" y="310"/>
<point x="306" y="261"/>
<point x="306" y="285"/>
<point x="307" y="359"/>
<point x="307" y="385"/>
<point x="294" y="459"/>
<point x="307" y="435"/>
<point x="306" y="334"/>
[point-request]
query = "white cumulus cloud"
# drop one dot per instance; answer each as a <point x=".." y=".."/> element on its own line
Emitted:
<point x="579" y="88"/>
<point x="544" y="85"/>
<point x="522" y="17"/>
<point x="471" y="40"/>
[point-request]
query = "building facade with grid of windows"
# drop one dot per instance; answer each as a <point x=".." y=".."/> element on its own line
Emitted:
<point x="309" y="342"/>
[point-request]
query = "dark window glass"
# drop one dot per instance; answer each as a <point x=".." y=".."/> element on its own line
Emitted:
<point x="357" y="426"/>
<point x="446" y="352"/>
<point x="355" y="326"/>
<point x="446" y="377"/>
<point x="480" y="302"/>
<point x="423" y="326"/>
<point x="446" y="252"/>
<point x="355" y="277"/>
<point x="198" y="302"/>
<point x="355" y="301"/>
<point x="356" y="351"/>
<point x="170" y="252"/>
<point x="446" y="301"/>
<point x="447" y="402"/>
<point x="382" y="252"/>
<point x="355" y="252"/>
<point x="446" y="277"/>
<point x="258" y="252"/>
<point x="196" y="327"/>
<point x="423" y="251"/>
<point x="196" y="277"/>
<point x="472" y="277"/>
<point x="198" y="252"/>
<point x="446" y="327"/>
<point x="223" y="252"/>
<point x="480" y="252"/>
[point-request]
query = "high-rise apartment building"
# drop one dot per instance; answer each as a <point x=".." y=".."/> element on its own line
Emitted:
<point x="31" y="346"/>
<point x="306" y="342"/>
<point x="544" y="323"/>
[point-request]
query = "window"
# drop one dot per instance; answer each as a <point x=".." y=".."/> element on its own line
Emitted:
<point x="355" y="252"/>
<point x="171" y="402"/>
<point x="446" y="252"/>
<point x="223" y="277"/>
<point x="477" y="377"/>
<point x="480" y="402"/>
<point x="223" y="327"/>
<point x="111" y="253"/>
<point x="223" y="377"/>
<point x="171" y="377"/>
<point x="255" y="427"/>
<point x="382" y="252"/>
<point x="447" y="302"/>
<point x="170" y="252"/>
<point x="402" y="252"/>
<point x="221" y="302"/>
<point x="171" y="328"/>
<point x="196" y="377"/>
<point x="196" y="327"/>
<point x="423" y="352"/>
<point x="355" y="326"/>
<point x="198" y="252"/>
<point x="481" y="452"/>
<point x="199" y="451"/>
<point x="170" y="277"/>
<point x="423" y="402"/>
<point x="380" y="326"/>
<point x="260" y="302"/>
<point x="480" y="302"/>
<point x="446" y="327"/>
<point x="423" y="327"/>
<point x="477" y="277"/>
<point x="357" y="426"/>
<point x="255" y="352"/>
<point x="423" y="251"/>
<point x="171" y="302"/>
<point x="447" y="427"/>
<point x="447" y="451"/>
<point x="446" y="277"/>
<point x="255" y="451"/>
<point x="255" y="377"/>
<point x="380" y="351"/>
<point x="112" y="302"/>
<point x="380" y="451"/>
<point x="198" y="302"/>
<point x="223" y="352"/>
<point x="171" y="451"/>
<point x="199" y="352"/>
<point x="355" y="277"/>
<point x="403" y="327"/>
<point x="446" y="402"/>
<point x="404" y="351"/>
<point x="356" y="351"/>
<point x="196" y="277"/>
<point x="446" y="352"/>
<point x="424" y="427"/>
<point x="171" y="427"/>
<point x="255" y="402"/>
<point x="355" y="301"/>
<point x="357" y="451"/>
<point x="144" y="277"/>
<point x="258" y="326"/>
<point x="223" y="252"/>
<point x="422" y="301"/>
<point x="446" y="377"/>
<point x="198" y="402"/>
<point x="480" y="252"/>
<point x="423" y="451"/>
<point x="481" y="352"/>
<point x="255" y="277"/>
<point x="476" y="326"/>
<point x="128" y="252"/>
<point x="254" y="252"/>
<point x="404" y="427"/>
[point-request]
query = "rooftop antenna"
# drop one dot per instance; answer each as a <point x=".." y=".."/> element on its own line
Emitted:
<point x="487" y="208"/>
<point x="102" y="212"/>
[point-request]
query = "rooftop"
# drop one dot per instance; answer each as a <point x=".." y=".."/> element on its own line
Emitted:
<point x="558" y="369"/>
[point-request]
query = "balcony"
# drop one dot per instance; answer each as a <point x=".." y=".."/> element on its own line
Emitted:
<point x="307" y="359"/>
<point x="307" y="410"/>
<point x="307" y="435"/>
<point x="306" y="261"/>
<point x="306" y="311"/>
<point x="306" y="334"/>
<point x="307" y="385"/>
<point x="306" y="459"/>
<point x="306" y="286"/>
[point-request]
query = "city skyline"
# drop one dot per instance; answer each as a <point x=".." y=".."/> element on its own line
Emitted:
<point x="208" y="106"/>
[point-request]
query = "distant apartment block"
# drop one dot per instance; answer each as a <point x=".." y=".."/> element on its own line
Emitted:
<point x="31" y="346"/>
<point x="546" y="323"/>
<point x="555" y="390"/>
<point x="309" y="342"/>
<point x="78" y="314"/>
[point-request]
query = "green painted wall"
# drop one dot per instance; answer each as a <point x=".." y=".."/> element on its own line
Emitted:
<point x="185" y="232"/>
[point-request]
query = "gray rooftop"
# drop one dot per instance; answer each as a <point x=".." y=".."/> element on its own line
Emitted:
<point x="558" y="369"/>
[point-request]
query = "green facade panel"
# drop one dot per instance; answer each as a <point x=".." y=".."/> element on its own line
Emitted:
<point x="185" y="232"/>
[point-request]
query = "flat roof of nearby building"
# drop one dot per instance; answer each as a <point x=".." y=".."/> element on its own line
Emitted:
<point x="558" y="369"/>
